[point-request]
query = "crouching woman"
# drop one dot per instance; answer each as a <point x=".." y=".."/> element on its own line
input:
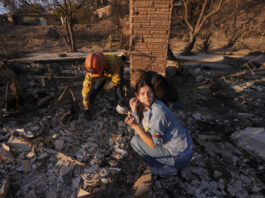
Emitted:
<point x="160" y="139"/>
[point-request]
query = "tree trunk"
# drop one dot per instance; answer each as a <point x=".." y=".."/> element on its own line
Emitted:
<point x="72" y="37"/>
<point x="189" y="47"/>
<point x="236" y="13"/>
<point x="68" y="37"/>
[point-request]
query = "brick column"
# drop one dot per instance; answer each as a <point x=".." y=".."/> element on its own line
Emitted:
<point x="150" y="22"/>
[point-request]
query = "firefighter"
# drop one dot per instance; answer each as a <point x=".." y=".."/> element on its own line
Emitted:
<point x="104" y="70"/>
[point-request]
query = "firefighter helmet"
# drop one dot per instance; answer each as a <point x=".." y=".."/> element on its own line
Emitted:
<point x="95" y="64"/>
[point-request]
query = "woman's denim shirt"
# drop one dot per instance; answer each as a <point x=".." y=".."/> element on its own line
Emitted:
<point x="166" y="130"/>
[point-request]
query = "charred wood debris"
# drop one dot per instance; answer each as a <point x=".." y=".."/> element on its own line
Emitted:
<point x="48" y="149"/>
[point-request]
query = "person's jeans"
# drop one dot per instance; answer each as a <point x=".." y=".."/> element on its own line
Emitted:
<point x="97" y="86"/>
<point x="159" y="156"/>
<point x="156" y="157"/>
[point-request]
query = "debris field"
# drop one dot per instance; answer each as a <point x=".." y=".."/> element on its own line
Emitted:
<point x="49" y="150"/>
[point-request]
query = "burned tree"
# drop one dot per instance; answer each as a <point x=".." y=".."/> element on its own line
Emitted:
<point x="119" y="9"/>
<point x="250" y="12"/>
<point x="196" y="13"/>
<point x="66" y="8"/>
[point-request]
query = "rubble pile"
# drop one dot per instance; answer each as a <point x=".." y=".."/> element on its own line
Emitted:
<point x="214" y="111"/>
<point x="62" y="160"/>
<point x="50" y="150"/>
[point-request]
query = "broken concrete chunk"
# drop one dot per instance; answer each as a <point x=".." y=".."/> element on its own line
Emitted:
<point x="20" y="144"/>
<point x="92" y="169"/>
<point x="76" y="182"/>
<point x="26" y="165"/>
<point x="5" y="156"/>
<point x="209" y="137"/>
<point x="199" y="116"/>
<point x="51" y="194"/>
<point x="6" y="147"/>
<point x="113" y="162"/>
<point x="94" y="161"/>
<point x="143" y="186"/>
<point x="31" y="154"/>
<point x="114" y="170"/>
<point x="31" y="194"/>
<point x="82" y="155"/>
<point x="66" y="175"/>
<point x="64" y="157"/>
<point x="59" y="163"/>
<point x="82" y="193"/>
<point x="20" y="130"/>
<point x="42" y="155"/>
<point x="66" y="163"/>
<point x="252" y="139"/>
<point x="5" y="186"/>
<point x="59" y="144"/>
<point x="217" y="174"/>
<point x="52" y="178"/>
<point x="24" y="133"/>
<point x="119" y="153"/>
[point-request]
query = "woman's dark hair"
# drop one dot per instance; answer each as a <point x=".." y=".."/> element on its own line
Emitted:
<point x="139" y="85"/>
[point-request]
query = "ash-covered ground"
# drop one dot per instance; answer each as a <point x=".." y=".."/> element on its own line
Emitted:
<point x="48" y="149"/>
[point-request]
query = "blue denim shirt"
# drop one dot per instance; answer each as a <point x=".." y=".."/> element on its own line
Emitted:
<point x="166" y="130"/>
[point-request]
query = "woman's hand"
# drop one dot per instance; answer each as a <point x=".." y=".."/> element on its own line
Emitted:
<point x="130" y="120"/>
<point x="133" y="104"/>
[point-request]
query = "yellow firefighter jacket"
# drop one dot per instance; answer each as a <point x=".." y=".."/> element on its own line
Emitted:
<point x="111" y="73"/>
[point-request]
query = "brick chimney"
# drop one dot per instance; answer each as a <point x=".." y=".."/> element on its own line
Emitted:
<point x="150" y="22"/>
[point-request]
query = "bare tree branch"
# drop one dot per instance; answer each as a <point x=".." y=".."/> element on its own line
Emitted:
<point x="219" y="6"/>
<point x="67" y="8"/>
<point x="200" y="21"/>
<point x="201" y="14"/>
<point x="186" y="15"/>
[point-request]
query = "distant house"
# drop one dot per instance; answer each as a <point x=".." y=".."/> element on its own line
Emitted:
<point x="31" y="19"/>
<point x="105" y="7"/>
<point x="6" y="19"/>
<point x="104" y="12"/>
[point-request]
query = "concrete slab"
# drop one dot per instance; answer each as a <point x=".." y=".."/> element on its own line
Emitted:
<point x="53" y="57"/>
<point x="253" y="58"/>
<point x="56" y="56"/>
<point x="218" y="58"/>
<point x="63" y="56"/>
<point x="200" y="57"/>
<point x="251" y="139"/>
